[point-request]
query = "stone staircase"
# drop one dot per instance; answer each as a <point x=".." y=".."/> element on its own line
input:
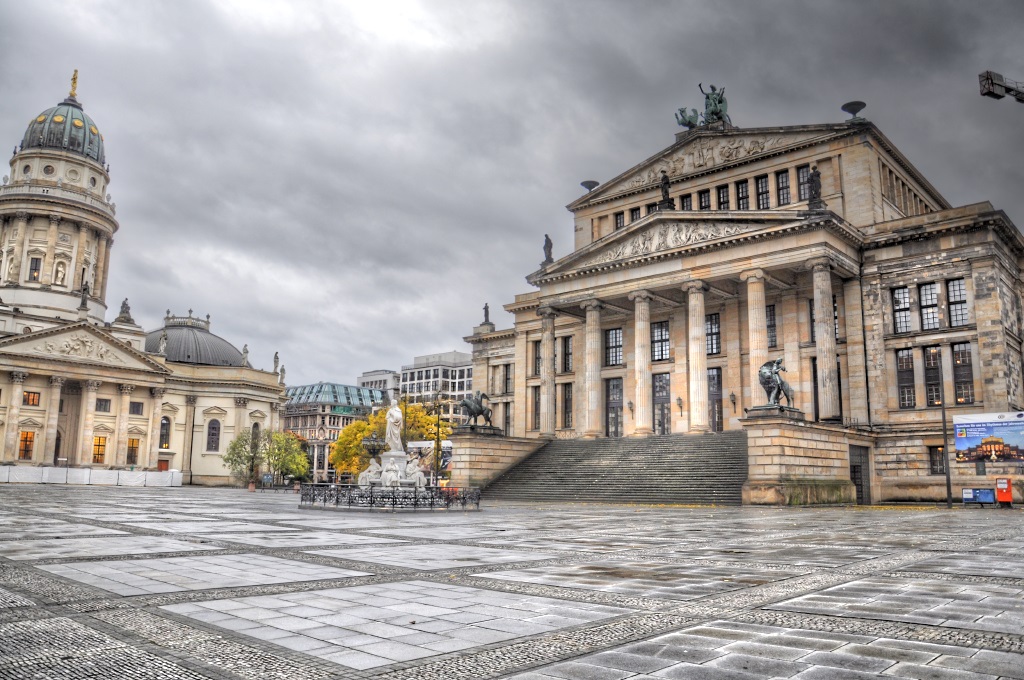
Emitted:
<point x="701" y="469"/>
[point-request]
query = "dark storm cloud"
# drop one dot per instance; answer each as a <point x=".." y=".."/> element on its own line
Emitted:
<point x="348" y="183"/>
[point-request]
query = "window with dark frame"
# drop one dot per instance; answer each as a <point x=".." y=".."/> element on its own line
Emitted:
<point x="905" y="378"/>
<point x="25" y="445"/>
<point x="723" y="197"/>
<point x="132" y="457"/>
<point x="763" y="195"/>
<point x="536" y="357"/>
<point x="956" y="297"/>
<point x="937" y="460"/>
<point x="508" y="379"/>
<point x="35" y="268"/>
<point x="613" y="347"/>
<point x="713" y="333"/>
<point x="165" y="433"/>
<point x="535" y="392"/>
<point x="769" y="317"/>
<point x="567" y="405"/>
<point x="929" y="303"/>
<point x="213" y="436"/>
<point x="99" y="449"/>
<point x="660" y="346"/>
<point x="704" y="199"/>
<point x="932" y="376"/>
<point x="742" y="195"/>
<point x="30" y="398"/>
<point x="651" y="208"/>
<point x="686" y="202"/>
<point x="102" y="406"/>
<point x="901" y="310"/>
<point x="620" y="220"/>
<point x="567" y="354"/>
<point x="963" y="373"/>
<point x="135" y="408"/>
<point x="803" y="182"/>
<point x="634" y="214"/>
<point x="782" y="187"/>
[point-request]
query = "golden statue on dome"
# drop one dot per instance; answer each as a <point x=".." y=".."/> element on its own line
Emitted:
<point x="74" y="85"/>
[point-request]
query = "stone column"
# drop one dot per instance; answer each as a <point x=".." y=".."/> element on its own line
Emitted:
<point x="51" y="245"/>
<point x="13" y="413"/>
<point x="156" y="414"/>
<point x="825" y="339"/>
<point x="592" y="424"/>
<point x="186" y="446"/>
<point x="52" y="412"/>
<point x="121" y="443"/>
<point x="643" y="421"/>
<point x="13" y="273"/>
<point x="698" y="356"/>
<point x="88" y="420"/>
<point x="757" y="332"/>
<point x="101" y="267"/>
<point x="79" y="265"/>
<point x="547" y="372"/>
<point x="241" y="403"/>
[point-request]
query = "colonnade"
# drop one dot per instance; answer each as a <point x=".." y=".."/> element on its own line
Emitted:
<point x="697" y="389"/>
<point x="13" y="270"/>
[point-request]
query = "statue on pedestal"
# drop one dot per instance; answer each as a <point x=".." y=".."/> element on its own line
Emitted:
<point x="393" y="434"/>
<point x="773" y="383"/>
<point x="391" y="475"/>
<point x="548" y="245"/>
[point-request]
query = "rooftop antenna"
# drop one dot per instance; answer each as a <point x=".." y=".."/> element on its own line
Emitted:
<point x="589" y="184"/>
<point x="854" y="108"/>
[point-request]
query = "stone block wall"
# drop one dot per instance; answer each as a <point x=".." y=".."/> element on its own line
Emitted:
<point x="477" y="460"/>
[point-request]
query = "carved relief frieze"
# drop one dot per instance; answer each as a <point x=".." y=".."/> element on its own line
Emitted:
<point x="702" y="154"/>
<point x="79" y="346"/>
<point x="667" y="236"/>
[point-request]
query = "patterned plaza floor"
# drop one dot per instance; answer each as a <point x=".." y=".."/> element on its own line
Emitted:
<point x="190" y="583"/>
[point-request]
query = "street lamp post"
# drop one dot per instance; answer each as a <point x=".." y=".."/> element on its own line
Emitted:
<point x="945" y="436"/>
<point x="439" y="400"/>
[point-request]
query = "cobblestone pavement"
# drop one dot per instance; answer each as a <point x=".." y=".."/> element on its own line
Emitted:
<point x="216" y="583"/>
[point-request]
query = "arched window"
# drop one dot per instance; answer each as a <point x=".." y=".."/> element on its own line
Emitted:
<point x="165" y="433"/>
<point x="255" y="430"/>
<point x="213" y="436"/>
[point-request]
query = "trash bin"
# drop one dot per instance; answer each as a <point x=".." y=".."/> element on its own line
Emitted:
<point x="1004" y="492"/>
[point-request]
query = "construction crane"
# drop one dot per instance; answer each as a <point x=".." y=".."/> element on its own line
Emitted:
<point x="996" y="86"/>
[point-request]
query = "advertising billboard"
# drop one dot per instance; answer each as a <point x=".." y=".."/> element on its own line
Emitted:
<point x="991" y="437"/>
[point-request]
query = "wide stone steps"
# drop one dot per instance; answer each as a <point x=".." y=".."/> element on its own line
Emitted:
<point x="696" y="469"/>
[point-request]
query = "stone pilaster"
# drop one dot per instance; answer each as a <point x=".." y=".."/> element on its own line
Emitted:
<point x="121" y="443"/>
<point x="13" y="274"/>
<point x="99" y="284"/>
<point x="155" y="415"/>
<point x="698" y="357"/>
<point x="856" y="361"/>
<point x="241" y="404"/>
<point x="49" y="446"/>
<point x="88" y="421"/>
<point x="825" y="340"/>
<point x="592" y="424"/>
<point x="13" y="414"/>
<point x="51" y="246"/>
<point x="547" y="372"/>
<point x="757" y="333"/>
<point x="643" y="417"/>
<point x="190" y="435"/>
<point x="79" y="265"/>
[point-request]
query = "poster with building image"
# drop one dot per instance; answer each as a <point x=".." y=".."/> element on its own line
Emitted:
<point x="990" y="437"/>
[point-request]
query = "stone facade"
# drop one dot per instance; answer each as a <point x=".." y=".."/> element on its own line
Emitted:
<point x="880" y="304"/>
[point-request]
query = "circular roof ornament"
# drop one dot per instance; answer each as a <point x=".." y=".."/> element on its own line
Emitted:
<point x="854" y="108"/>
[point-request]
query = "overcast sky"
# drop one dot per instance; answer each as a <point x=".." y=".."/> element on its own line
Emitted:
<point x="348" y="183"/>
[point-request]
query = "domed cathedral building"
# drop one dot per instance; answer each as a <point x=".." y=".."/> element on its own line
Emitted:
<point x="82" y="394"/>
<point x="821" y="246"/>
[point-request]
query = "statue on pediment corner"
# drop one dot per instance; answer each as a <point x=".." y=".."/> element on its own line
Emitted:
<point x="688" y="120"/>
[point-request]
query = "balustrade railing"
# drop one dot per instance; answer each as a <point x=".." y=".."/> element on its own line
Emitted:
<point x="351" y="496"/>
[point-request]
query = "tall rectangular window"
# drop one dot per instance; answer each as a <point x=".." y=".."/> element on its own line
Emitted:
<point x="613" y="347"/>
<point x="659" y="341"/>
<point x="937" y="460"/>
<point x="723" y="197"/>
<point x="25" y="445"/>
<point x="773" y="335"/>
<point x="567" y="405"/>
<point x="742" y="195"/>
<point x="686" y="202"/>
<point x="905" y="378"/>
<point x="634" y="214"/>
<point x="507" y="382"/>
<point x="536" y="357"/>
<point x="963" y="373"/>
<point x="661" y="384"/>
<point x="956" y="296"/>
<point x="30" y="399"/>
<point x="567" y="354"/>
<point x="133" y="452"/>
<point x="803" y="182"/>
<point x="901" y="310"/>
<point x="763" y="195"/>
<point x="535" y="393"/>
<point x="932" y="376"/>
<point x="782" y="187"/>
<point x="99" y="449"/>
<point x="35" y="268"/>
<point x="713" y="333"/>
<point x="704" y="199"/>
<point x="620" y="220"/>
<point x="929" y="293"/>
<point x="135" y="408"/>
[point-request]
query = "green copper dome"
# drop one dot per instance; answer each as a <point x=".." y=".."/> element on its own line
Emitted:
<point x="65" y="127"/>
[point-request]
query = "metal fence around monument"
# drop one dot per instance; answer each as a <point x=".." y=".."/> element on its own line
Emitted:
<point x="354" y="497"/>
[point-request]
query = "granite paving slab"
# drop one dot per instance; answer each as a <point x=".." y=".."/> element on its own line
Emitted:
<point x="301" y="538"/>
<point x="99" y="546"/>
<point x="430" y="557"/>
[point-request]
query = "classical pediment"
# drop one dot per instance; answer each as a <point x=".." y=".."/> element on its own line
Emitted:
<point x="79" y="343"/>
<point x="257" y="415"/>
<point x="29" y="423"/>
<point x="214" y="412"/>
<point x="704" y="150"/>
<point x="103" y="429"/>
<point x="137" y="431"/>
